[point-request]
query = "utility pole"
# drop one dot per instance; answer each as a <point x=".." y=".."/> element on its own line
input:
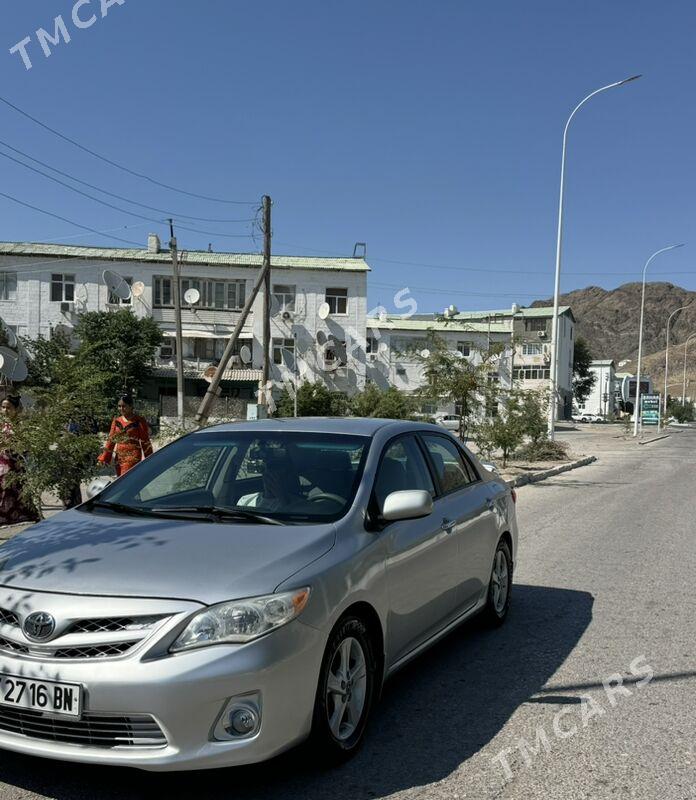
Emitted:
<point x="206" y="405"/>
<point x="265" y="391"/>
<point x="176" y="296"/>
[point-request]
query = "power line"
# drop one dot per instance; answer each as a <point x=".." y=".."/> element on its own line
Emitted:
<point x="115" y="164"/>
<point x="113" y="194"/>
<point x="430" y="290"/>
<point x="65" y="219"/>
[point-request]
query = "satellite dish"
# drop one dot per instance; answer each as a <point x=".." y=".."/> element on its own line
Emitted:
<point x="382" y="347"/>
<point x="515" y="308"/>
<point x="245" y="354"/>
<point x="425" y="353"/>
<point x="138" y="289"/>
<point x="116" y="284"/>
<point x="192" y="296"/>
<point x="321" y="338"/>
<point x="453" y="310"/>
<point x="10" y="335"/>
<point x="323" y="311"/>
<point x="81" y="294"/>
<point x="12" y="366"/>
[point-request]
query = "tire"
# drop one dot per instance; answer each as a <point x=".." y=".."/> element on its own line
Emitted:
<point x="339" y="741"/>
<point x="496" y="609"/>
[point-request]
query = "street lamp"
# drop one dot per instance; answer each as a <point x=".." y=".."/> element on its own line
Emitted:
<point x="553" y="402"/>
<point x="636" y="410"/>
<point x="686" y="347"/>
<point x="669" y="322"/>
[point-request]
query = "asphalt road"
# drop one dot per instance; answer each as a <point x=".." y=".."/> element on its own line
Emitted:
<point x="605" y="581"/>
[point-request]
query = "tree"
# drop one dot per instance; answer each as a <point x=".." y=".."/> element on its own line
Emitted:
<point x="506" y="431"/>
<point x="454" y="378"/>
<point x="118" y="344"/>
<point x="383" y="404"/>
<point x="682" y="412"/>
<point x="56" y="437"/>
<point x="313" y="400"/>
<point x="583" y="379"/>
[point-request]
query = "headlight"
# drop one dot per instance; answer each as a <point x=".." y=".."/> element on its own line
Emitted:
<point x="241" y="620"/>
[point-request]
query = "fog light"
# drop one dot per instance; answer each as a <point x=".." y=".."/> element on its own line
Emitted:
<point x="242" y="721"/>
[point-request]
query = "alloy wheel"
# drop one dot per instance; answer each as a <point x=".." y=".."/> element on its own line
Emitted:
<point x="500" y="582"/>
<point x="346" y="688"/>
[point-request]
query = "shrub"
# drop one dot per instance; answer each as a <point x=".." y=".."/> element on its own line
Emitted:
<point x="543" y="450"/>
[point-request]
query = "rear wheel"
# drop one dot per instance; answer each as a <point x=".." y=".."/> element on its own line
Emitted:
<point x="346" y="690"/>
<point x="500" y="586"/>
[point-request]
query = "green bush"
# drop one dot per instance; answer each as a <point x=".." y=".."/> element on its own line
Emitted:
<point x="542" y="450"/>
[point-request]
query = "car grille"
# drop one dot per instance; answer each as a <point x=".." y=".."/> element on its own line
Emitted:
<point x="8" y="618"/>
<point x="12" y="647"/>
<point x="113" y="624"/>
<point x="97" y="651"/>
<point x="92" y="730"/>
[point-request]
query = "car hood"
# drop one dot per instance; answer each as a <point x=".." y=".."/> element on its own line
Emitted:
<point x="77" y="552"/>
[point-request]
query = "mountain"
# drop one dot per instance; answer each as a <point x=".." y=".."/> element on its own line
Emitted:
<point x="609" y="319"/>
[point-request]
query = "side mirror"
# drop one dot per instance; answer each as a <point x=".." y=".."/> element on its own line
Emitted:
<point x="410" y="504"/>
<point x="490" y="467"/>
<point x="97" y="486"/>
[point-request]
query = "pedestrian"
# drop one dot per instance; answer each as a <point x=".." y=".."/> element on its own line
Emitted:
<point x="13" y="507"/>
<point x="129" y="438"/>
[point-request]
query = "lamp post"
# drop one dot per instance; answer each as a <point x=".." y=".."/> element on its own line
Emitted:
<point x="553" y="382"/>
<point x="686" y="347"/>
<point x="636" y="410"/>
<point x="669" y="322"/>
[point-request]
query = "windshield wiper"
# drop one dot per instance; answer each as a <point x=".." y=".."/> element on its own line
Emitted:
<point x="121" y="508"/>
<point x="219" y="512"/>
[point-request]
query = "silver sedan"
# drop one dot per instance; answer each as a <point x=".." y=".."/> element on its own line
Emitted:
<point x="246" y="588"/>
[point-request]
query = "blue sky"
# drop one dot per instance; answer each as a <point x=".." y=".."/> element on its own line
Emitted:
<point x="430" y="130"/>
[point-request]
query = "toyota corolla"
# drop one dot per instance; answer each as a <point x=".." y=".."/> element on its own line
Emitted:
<point x="247" y="587"/>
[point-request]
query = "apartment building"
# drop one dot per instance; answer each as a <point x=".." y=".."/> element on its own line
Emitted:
<point x="46" y="286"/>
<point x="524" y="362"/>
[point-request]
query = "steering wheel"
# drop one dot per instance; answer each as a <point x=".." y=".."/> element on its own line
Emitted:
<point x="316" y="498"/>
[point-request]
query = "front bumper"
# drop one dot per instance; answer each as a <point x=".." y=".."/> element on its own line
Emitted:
<point x="185" y="694"/>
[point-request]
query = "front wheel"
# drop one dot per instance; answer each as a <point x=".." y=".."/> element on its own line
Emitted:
<point x="346" y="690"/>
<point x="500" y="586"/>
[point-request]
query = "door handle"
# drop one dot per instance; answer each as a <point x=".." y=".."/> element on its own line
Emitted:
<point x="448" y="525"/>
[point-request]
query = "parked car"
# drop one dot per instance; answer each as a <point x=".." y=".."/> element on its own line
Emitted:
<point x="450" y="421"/>
<point x="585" y="416"/>
<point x="245" y="588"/>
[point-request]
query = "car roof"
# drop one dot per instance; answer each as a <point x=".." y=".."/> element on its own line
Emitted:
<point x="357" y="426"/>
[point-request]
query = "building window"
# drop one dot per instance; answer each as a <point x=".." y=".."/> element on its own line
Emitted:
<point x="62" y="288"/>
<point x="335" y="353"/>
<point x="282" y="350"/>
<point x="337" y="300"/>
<point x="284" y="295"/>
<point x="531" y="373"/>
<point x="464" y="348"/>
<point x="532" y="349"/>
<point x="371" y="345"/>
<point x="223" y="295"/>
<point x="535" y="325"/>
<point x="115" y="300"/>
<point x="8" y="285"/>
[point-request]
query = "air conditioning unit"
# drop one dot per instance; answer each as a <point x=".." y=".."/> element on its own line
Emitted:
<point x="541" y="334"/>
<point x="166" y="352"/>
<point x="67" y="308"/>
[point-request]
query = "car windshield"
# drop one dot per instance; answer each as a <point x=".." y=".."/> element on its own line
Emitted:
<point x="290" y="477"/>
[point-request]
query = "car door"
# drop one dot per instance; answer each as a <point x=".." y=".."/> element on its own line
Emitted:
<point x="465" y="505"/>
<point x="420" y="555"/>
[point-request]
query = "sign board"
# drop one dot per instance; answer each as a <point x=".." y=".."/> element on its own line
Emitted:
<point x="650" y="408"/>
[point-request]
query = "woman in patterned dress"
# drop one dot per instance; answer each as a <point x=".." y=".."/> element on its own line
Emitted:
<point x="13" y="507"/>
<point x="129" y="438"/>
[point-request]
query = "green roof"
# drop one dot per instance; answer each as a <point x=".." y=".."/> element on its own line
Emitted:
<point x="456" y="326"/>
<point x="542" y="311"/>
<point x="253" y="260"/>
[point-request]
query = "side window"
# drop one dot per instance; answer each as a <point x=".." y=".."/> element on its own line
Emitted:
<point x="449" y="465"/>
<point x="402" y="467"/>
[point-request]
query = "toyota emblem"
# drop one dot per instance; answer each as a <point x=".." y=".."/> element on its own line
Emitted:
<point x="39" y="626"/>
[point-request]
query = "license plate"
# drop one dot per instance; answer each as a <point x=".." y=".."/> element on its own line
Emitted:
<point x="47" y="696"/>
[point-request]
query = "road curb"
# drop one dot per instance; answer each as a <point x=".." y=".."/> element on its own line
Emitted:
<point x="656" y="439"/>
<point x="535" y="477"/>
